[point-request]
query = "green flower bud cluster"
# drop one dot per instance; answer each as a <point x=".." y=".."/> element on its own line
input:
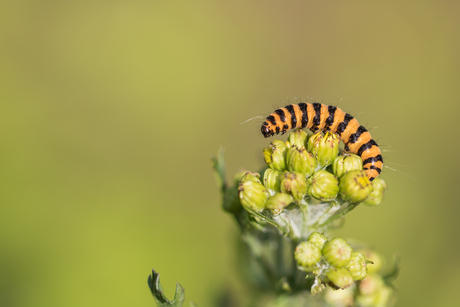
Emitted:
<point x="284" y="211"/>
<point x="371" y="291"/>
<point x="300" y="156"/>
<point x="333" y="262"/>
<point x="278" y="191"/>
<point x="291" y="164"/>
<point x="306" y="168"/>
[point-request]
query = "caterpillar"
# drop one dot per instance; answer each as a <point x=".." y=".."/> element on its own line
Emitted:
<point x="317" y="116"/>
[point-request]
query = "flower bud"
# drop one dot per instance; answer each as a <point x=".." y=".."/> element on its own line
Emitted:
<point x="344" y="164"/>
<point x="298" y="138"/>
<point x="253" y="195"/>
<point x="294" y="184"/>
<point x="337" y="252"/>
<point x="323" y="186"/>
<point x="324" y="148"/>
<point x="376" y="196"/>
<point x="357" y="266"/>
<point x="371" y="284"/>
<point x="307" y="254"/>
<point x="272" y="179"/>
<point x="385" y="296"/>
<point x="250" y="176"/>
<point x="279" y="201"/>
<point x="339" y="278"/>
<point x="275" y="154"/>
<point x="376" y="259"/>
<point x="355" y="186"/>
<point x="382" y="297"/>
<point x="342" y="298"/>
<point x="298" y="159"/>
<point x="318" y="239"/>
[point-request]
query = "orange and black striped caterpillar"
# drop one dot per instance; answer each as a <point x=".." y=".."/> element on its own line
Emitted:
<point x="317" y="116"/>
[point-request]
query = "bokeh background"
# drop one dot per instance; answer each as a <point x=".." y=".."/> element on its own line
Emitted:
<point x="110" y="111"/>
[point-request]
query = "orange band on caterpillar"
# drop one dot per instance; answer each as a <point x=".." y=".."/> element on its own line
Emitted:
<point x="317" y="116"/>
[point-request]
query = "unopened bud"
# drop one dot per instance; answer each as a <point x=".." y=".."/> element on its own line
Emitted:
<point x="324" y="148"/>
<point x="318" y="239"/>
<point x="250" y="176"/>
<point x="275" y="154"/>
<point x="339" y="278"/>
<point x="253" y="195"/>
<point x="294" y="184"/>
<point x="272" y="179"/>
<point x="382" y="297"/>
<point x="279" y="201"/>
<point x="371" y="284"/>
<point x="385" y="296"/>
<point x="323" y="186"/>
<point x="307" y="254"/>
<point x="355" y="186"/>
<point x="357" y="266"/>
<point x="376" y="196"/>
<point x="298" y="138"/>
<point x="346" y="163"/>
<point x="298" y="159"/>
<point x="342" y="298"/>
<point x="337" y="252"/>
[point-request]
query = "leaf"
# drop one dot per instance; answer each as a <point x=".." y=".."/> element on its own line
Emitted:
<point x="230" y="200"/>
<point x="160" y="298"/>
<point x="218" y="164"/>
<point x="390" y="276"/>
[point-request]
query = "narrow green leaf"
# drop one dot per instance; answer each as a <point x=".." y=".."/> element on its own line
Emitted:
<point x="218" y="165"/>
<point x="157" y="291"/>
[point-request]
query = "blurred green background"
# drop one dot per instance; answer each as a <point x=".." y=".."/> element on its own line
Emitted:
<point x="110" y="111"/>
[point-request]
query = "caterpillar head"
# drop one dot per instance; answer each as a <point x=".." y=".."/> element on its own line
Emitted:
<point x="266" y="130"/>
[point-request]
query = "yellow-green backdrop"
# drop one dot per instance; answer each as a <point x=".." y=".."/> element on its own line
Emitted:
<point x="110" y="111"/>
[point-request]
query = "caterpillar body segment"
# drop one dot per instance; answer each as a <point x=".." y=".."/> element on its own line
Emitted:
<point x="317" y="116"/>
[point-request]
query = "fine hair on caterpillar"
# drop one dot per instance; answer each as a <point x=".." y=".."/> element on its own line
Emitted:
<point x="327" y="118"/>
